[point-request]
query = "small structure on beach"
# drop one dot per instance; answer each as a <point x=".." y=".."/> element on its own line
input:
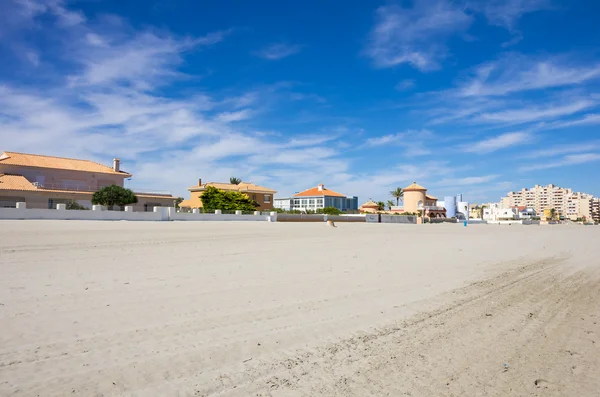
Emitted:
<point x="370" y="207"/>
<point x="416" y="200"/>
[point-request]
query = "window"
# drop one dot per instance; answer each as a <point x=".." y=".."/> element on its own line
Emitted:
<point x="312" y="202"/>
<point x="254" y="197"/>
<point x="267" y="198"/>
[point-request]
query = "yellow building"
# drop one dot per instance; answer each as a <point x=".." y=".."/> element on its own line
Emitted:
<point x="416" y="200"/>
<point x="44" y="181"/>
<point x="262" y="195"/>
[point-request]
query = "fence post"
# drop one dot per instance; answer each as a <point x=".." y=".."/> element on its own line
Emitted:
<point x="273" y="216"/>
<point x="195" y="211"/>
<point x="128" y="208"/>
<point x="97" y="208"/>
<point x="238" y="212"/>
<point x="256" y="213"/>
<point x="61" y="207"/>
<point x="21" y="205"/>
<point x="218" y="212"/>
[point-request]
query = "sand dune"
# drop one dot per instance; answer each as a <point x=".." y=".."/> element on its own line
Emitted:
<point x="238" y="309"/>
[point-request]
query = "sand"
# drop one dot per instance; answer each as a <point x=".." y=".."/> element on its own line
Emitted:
<point x="260" y="309"/>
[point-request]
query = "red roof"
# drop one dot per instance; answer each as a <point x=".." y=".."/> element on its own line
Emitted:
<point x="316" y="192"/>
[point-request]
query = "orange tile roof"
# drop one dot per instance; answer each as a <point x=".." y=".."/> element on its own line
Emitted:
<point x="414" y="186"/>
<point x="62" y="163"/>
<point x="316" y="192"/>
<point x="242" y="187"/>
<point x="369" y="204"/>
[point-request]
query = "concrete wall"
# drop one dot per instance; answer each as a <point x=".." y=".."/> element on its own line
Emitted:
<point x="406" y="219"/>
<point x="99" y="213"/>
<point x="319" y="218"/>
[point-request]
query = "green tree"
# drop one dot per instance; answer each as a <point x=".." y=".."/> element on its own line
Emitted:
<point x="235" y="181"/>
<point x="330" y="211"/>
<point x="216" y="199"/>
<point x="114" y="195"/>
<point x="553" y="213"/>
<point x="390" y="204"/>
<point x="397" y="193"/>
<point x="380" y="206"/>
<point x="74" y="205"/>
<point x="178" y="201"/>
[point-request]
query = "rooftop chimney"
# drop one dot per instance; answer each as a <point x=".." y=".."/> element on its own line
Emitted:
<point x="321" y="187"/>
<point x="199" y="181"/>
<point x="116" y="165"/>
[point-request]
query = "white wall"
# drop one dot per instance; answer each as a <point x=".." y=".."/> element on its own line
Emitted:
<point x="159" y="214"/>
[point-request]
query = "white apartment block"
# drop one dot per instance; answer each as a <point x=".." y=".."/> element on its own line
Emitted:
<point x="568" y="204"/>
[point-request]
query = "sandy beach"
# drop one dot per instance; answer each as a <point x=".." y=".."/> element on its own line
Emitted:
<point x="280" y="309"/>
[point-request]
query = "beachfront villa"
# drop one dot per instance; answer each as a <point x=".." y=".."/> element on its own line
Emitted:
<point x="45" y="181"/>
<point x="262" y="195"/>
<point x="319" y="197"/>
<point x="415" y="200"/>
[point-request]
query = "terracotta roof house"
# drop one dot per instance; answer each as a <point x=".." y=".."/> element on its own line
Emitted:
<point x="44" y="181"/>
<point x="320" y="197"/>
<point x="262" y="195"/>
<point x="369" y="207"/>
<point x="416" y="199"/>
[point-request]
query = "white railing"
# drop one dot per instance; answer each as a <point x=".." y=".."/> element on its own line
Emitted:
<point x="86" y="188"/>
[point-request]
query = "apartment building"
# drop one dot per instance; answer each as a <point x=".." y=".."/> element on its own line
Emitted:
<point x="596" y="210"/>
<point x="568" y="204"/>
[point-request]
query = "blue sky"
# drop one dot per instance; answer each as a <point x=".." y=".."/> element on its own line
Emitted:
<point x="463" y="96"/>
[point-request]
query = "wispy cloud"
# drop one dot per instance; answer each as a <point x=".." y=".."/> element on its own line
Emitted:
<point x="564" y="149"/>
<point x="588" y="119"/>
<point x="517" y="73"/>
<point x="417" y="35"/>
<point x="277" y="51"/>
<point x="529" y="114"/>
<point x="405" y="85"/>
<point x="506" y="13"/>
<point x="239" y="115"/>
<point x="414" y="142"/>
<point x="499" y="142"/>
<point x="573" y="159"/>
<point x="466" y="181"/>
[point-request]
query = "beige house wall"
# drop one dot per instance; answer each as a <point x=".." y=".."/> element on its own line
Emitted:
<point x="412" y="199"/>
<point x="56" y="178"/>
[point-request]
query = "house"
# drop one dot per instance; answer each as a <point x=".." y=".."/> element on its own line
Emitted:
<point x="370" y="207"/>
<point x="262" y="195"/>
<point x="44" y="181"/>
<point x="320" y="197"/>
<point x="416" y="200"/>
<point x="284" y="204"/>
<point x="526" y="212"/>
<point x="494" y="212"/>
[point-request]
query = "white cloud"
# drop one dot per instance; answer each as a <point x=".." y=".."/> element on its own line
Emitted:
<point x="466" y="181"/>
<point x="572" y="159"/>
<point x="239" y="115"/>
<point x="499" y="142"/>
<point x="588" y="119"/>
<point x="278" y="51"/>
<point x="529" y="114"/>
<point x="506" y="13"/>
<point x="517" y="73"/>
<point x="564" y="149"/>
<point x="33" y="57"/>
<point x="417" y="35"/>
<point x="405" y="85"/>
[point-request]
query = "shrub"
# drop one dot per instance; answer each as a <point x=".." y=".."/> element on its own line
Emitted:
<point x="112" y="195"/>
<point x="74" y="205"/>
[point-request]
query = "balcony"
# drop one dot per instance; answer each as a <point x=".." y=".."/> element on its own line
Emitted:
<point x="92" y="189"/>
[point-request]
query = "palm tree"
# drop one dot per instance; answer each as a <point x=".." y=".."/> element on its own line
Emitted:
<point x="390" y="204"/>
<point x="235" y="181"/>
<point x="380" y="206"/>
<point x="553" y="213"/>
<point x="397" y="194"/>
